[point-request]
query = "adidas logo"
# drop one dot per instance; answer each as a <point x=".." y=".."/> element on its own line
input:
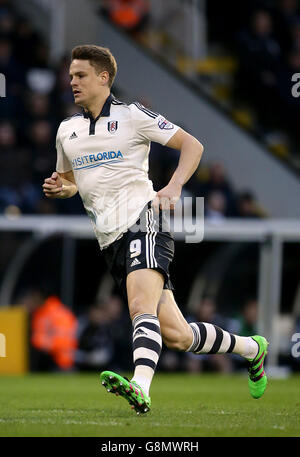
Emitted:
<point x="135" y="262"/>
<point x="139" y="331"/>
<point x="73" y="136"/>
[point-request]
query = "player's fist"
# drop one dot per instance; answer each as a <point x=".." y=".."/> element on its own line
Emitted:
<point x="167" y="197"/>
<point x="53" y="186"/>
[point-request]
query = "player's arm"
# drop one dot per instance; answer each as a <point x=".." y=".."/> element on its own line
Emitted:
<point x="60" y="185"/>
<point x="190" y="155"/>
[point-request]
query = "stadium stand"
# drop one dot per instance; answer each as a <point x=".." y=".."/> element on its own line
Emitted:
<point x="38" y="98"/>
<point x="252" y="55"/>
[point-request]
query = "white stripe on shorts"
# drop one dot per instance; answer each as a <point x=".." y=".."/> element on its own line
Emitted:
<point x="150" y="240"/>
<point x="153" y="238"/>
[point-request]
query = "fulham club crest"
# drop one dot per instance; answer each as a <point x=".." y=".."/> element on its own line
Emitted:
<point x="112" y="126"/>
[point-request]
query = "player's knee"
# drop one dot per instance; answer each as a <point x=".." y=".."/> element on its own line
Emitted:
<point x="138" y="305"/>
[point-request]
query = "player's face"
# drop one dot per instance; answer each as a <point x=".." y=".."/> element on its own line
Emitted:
<point x="85" y="82"/>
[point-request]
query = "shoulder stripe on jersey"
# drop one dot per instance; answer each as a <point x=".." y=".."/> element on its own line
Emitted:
<point x="70" y="117"/>
<point x="115" y="101"/>
<point x="146" y="110"/>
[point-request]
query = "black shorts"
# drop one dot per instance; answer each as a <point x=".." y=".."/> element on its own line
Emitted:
<point x="147" y="244"/>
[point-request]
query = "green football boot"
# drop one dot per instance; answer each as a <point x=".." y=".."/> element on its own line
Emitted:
<point x="130" y="390"/>
<point x="257" y="379"/>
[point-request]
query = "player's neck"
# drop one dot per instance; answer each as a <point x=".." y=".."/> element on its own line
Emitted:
<point x="95" y="107"/>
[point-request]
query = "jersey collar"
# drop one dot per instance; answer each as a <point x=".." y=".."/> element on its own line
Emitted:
<point x="105" y="110"/>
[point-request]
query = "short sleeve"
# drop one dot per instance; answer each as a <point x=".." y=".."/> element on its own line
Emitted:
<point x="152" y="126"/>
<point x="62" y="163"/>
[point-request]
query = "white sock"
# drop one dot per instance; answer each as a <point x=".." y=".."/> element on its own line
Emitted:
<point x="250" y="347"/>
<point x="143" y="381"/>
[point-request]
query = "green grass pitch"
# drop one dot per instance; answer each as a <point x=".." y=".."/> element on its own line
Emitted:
<point x="183" y="405"/>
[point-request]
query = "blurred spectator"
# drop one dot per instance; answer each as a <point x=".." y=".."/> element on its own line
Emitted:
<point x="130" y="15"/>
<point x="259" y="60"/>
<point x="247" y="206"/>
<point x="10" y="67"/>
<point x="53" y="332"/>
<point x="206" y="311"/>
<point x="259" y="51"/>
<point x="218" y="182"/>
<point x="43" y="150"/>
<point x="25" y="38"/>
<point x="215" y="207"/>
<point x="40" y="77"/>
<point x="245" y="322"/>
<point x="7" y="24"/>
<point x="16" y="188"/>
<point x="103" y="337"/>
<point x="38" y="106"/>
<point x="62" y="89"/>
<point x="285" y="15"/>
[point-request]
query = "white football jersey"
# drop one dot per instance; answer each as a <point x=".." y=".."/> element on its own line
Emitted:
<point x="109" y="158"/>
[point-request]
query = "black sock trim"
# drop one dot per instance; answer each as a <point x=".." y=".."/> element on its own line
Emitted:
<point x="149" y="326"/>
<point x="143" y="342"/>
<point x="218" y="341"/>
<point x="232" y="344"/>
<point x="147" y="362"/>
<point x="203" y="335"/>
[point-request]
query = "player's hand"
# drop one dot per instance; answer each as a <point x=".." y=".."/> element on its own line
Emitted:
<point x="53" y="186"/>
<point x="167" y="197"/>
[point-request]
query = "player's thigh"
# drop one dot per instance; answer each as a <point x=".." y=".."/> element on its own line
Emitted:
<point x="176" y="332"/>
<point x="144" y="289"/>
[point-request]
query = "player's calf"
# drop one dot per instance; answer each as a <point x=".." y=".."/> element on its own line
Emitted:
<point x="178" y="340"/>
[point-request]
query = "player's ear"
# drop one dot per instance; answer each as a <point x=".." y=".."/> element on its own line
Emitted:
<point x="104" y="77"/>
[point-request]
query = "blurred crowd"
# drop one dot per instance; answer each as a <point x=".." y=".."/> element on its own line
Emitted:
<point x="263" y="39"/>
<point x="101" y="337"/>
<point x="38" y="97"/>
<point x="210" y="181"/>
<point x="268" y="50"/>
<point x="262" y="36"/>
<point x="62" y="340"/>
